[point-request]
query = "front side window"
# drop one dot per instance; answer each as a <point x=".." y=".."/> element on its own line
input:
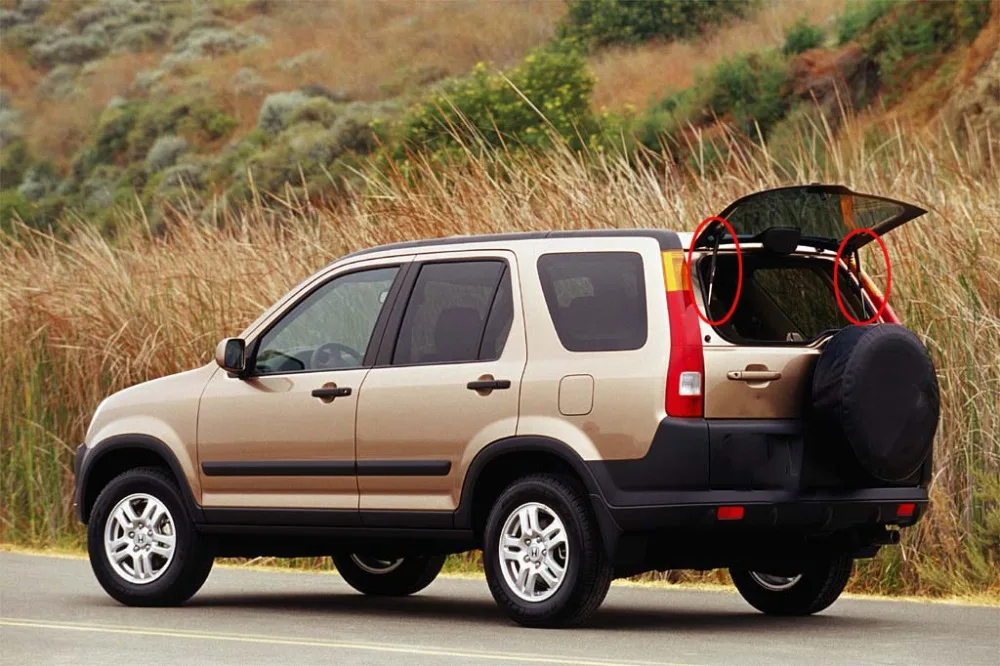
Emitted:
<point x="448" y="317"/>
<point x="330" y="329"/>
<point x="597" y="300"/>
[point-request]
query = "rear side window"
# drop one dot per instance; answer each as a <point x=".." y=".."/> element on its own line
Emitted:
<point x="451" y="316"/>
<point x="597" y="300"/>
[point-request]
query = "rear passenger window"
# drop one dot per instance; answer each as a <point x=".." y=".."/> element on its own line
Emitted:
<point x="597" y="300"/>
<point x="458" y="311"/>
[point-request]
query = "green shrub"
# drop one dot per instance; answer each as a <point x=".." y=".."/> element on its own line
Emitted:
<point x="165" y="152"/>
<point x="802" y="36"/>
<point x="917" y="36"/>
<point x="858" y="16"/>
<point x="548" y="92"/>
<point x="14" y="162"/>
<point x="277" y="108"/>
<point x="602" y="22"/>
<point x="39" y="180"/>
<point x="750" y="88"/>
<point x="13" y="206"/>
<point x="316" y="110"/>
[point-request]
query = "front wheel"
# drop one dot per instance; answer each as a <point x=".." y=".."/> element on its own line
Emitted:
<point x="388" y="576"/>
<point x="143" y="548"/>
<point x="818" y="585"/>
<point x="542" y="552"/>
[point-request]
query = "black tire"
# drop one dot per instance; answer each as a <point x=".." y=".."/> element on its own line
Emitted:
<point x="875" y="389"/>
<point x="412" y="573"/>
<point x="821" y="584"/>
<point x="193" y="554"/>
<point x="588" y="572"/>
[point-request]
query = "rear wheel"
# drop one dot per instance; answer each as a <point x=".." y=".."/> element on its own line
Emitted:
<point x="542" y="553"/>
<point x="388" y="576"/>
<point x="814" y="589"/>
<point x="143" y="548"/>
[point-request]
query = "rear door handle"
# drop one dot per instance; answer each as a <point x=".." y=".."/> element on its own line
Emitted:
<point x="753" y="375"/>
<point x="328" y="393"/>
<point x="488" y="384"/>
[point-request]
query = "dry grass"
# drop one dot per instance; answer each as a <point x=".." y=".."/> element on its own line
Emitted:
<point x="81" y="319"/>
<point x="635" y="75"/>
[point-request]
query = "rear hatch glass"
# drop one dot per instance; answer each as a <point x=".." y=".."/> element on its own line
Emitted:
<point x="824" y="214"/>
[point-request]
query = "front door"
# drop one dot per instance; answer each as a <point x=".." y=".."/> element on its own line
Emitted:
<point x="445" y="386"/>
<point x="283" y="436"/>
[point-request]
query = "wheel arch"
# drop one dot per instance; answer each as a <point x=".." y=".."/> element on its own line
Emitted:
<point x="118" y="453"/>
<point x="500" y="462"/>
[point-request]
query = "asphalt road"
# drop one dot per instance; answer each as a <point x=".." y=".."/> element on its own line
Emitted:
<point x="52" y="611"/>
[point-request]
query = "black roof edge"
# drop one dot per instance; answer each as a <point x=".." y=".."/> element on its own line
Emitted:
<point x="668" y="240"/>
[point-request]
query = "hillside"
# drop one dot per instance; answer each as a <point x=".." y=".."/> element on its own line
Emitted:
<point x="180" y="165"/>
<point x="110" y="105"/>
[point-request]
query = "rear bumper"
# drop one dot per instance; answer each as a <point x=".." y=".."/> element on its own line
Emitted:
<point x="815" y="513"/>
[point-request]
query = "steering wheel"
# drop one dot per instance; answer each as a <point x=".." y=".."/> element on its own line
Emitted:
<point x="333" y="355"/>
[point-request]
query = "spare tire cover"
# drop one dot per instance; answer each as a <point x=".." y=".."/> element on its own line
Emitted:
<point x="875" y="386"/>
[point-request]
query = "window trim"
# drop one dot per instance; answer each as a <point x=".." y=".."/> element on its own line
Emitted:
<point x="394" y="323"/>
<point x="402" y="266"/>
<point x="641" y="283"/>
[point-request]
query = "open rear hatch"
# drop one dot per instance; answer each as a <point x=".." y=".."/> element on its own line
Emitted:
<point x="758" y="365"/>
<point x="823" y="215"/>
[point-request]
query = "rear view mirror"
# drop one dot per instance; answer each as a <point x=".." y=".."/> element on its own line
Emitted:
<point x="230" y="354"/>
<point x="781" y="240"/>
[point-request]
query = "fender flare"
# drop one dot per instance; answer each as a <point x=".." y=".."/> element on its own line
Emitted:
<point x="96" y="453"/>
<point x="610" y="531"/>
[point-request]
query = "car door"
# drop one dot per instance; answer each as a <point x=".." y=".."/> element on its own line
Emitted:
<point x="282" y="436"/>
<point x="445" y="385"/>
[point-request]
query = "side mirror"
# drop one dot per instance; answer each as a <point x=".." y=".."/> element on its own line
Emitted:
<point x="230" y="354"/>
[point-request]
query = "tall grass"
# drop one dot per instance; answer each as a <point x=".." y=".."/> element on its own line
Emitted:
<point x="83" y="318"/>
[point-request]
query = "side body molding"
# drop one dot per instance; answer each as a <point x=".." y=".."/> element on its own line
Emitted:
<point x="610" y="531"/>
<point x="92" y="456"/>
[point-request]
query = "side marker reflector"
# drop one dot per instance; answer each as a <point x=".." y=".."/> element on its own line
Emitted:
<point x="730" y="513"/>
<point x="905" y="510"/>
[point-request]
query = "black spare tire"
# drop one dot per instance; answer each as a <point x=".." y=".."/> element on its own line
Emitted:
<point x="875" y="388"/>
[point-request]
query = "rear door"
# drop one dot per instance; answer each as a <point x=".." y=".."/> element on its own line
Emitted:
<point x="758" y="365"/>
<point x="446" y="383"/>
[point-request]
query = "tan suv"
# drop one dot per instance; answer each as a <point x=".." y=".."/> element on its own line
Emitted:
<point x="572" y="403"/>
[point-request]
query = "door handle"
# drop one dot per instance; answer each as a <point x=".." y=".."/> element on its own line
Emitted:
<point x="753" y="375"/>
<point x="328" y="393"/>
<point x="490" y="384"/>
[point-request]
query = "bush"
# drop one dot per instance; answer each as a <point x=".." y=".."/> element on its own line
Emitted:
<point x="750" y="88"/>
<point x="858" y="16"/>
<point x="33" y="8"/>
<point x="39" y="180"/>
<point x="602" y="22"/>
<point x="10" y="125"/>
<point x="13" y="206"/>
<point x="23" y="36"/>
<point x="316" y="110"/>
<point x="139" y="37"/>
<point x="59" y="81"/>
<point x="917" y="37"/>
<point x="165" y="152"/>
<point x="802" y="36"/>
<point x="209" y="41"/>
<point x="72" y="49"/>
<point x="489" y="106"/>
<point x="276" y="109"/>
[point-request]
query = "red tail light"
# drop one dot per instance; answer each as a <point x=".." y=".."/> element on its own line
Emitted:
<point x="686" y="369"/>
<point x="905" y="510"/>
<point x="729" y="513"/>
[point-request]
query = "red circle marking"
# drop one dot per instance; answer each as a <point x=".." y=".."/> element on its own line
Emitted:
<point x="888" y="277"/>
<point x="739" y="269"/>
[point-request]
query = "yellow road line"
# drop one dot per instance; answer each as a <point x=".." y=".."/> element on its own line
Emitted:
<point x="427" y="651"/>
